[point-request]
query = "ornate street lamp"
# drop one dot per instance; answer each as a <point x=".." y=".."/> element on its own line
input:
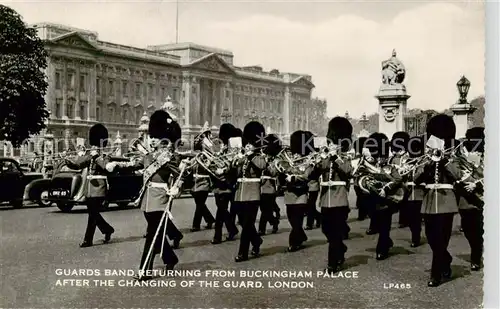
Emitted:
<point x="226" y="115"/>
<point x="363" y="121"/>
<point x="463" y="87"/>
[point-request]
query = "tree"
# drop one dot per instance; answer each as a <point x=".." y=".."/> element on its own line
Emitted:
<point x="22" y="79"/>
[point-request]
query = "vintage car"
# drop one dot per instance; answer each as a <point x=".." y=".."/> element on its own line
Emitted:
<point x="14" y="181"/>
<point x="67" y="187"/>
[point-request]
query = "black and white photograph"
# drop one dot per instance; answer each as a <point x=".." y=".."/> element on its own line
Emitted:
<point x="243" y="154"/>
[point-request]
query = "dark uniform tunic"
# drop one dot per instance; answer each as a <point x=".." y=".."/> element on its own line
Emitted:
<point x="312" y="212"/>
<point x="154" y="202"/>
<point x="223" y="191"/>
<point x="439" y="205"/>
<point x="201" y="188"/>
<point x="296" y="199"/>
<point x="268" y="198"/>
<point x="397" y="159"/>
<point x="97" y="187"/>
<point x="333" y="200"/>
<point x="247" y="197"/>
<point x="413" y="206"/>
<point x="472" y="222"/>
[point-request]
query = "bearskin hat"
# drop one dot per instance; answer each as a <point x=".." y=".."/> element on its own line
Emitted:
<point x="378" y="144"/>
<point x="442" y="126"/>
<point x="237" y="132"/>
<point x="340" y="132"/>
<point x="226" y="131"/>
<point x="273" y="145"/>
<point x="254" y="134"/>
<point x="98" y="135"/>
<point x="158" y="124"/>
<point x="359" y="144"/>
<point x="416" y="147"/>
<point x="399" y="141"/>
<point x="308" y="143"/>
<point x="174" y="133"/>
<point x="474" y="139"/>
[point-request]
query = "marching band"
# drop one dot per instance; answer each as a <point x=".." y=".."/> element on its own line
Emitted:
<point x="426" y="178"/>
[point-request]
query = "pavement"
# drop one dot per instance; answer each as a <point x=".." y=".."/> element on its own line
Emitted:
<point x="38" y="242"/>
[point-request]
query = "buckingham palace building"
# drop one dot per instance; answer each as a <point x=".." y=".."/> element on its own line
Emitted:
<point x="92" y="81"/>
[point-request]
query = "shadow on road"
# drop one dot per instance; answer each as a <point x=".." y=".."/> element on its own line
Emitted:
<point x="394" y="251"/>
<point x="356" y="260"/>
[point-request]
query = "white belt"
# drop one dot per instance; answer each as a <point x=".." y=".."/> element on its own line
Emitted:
<point x="200" y="176"/>
<point x="158" y="185"/>
<point x="439" y="186"/>
<point x="332" y="183"/>
<point x="411" y="184"/>
<point x="268" y="177"/>
<point x="97" y="177"/>
<point x="248" y="180"/>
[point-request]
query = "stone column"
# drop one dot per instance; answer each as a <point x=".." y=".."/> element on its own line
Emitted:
<point x="186" y="89"/>
<point x="92" y="99"/>
<point x="229" y="101"/>
<point x="67" y="137"/>
<point x="215" y="88"/>
<point x="64" y="89"/>
<point x="195" y="102"/>
<point x="286" y="110"/>
<point x="392" y="108"/>
<point x="50" y="96"/>
<point x="461" y="115"/>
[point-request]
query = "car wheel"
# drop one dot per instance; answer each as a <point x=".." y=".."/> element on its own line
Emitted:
<point x="122" y="204"/>
<point x="17" y="203"/>
<point x="65" y="207"/>
<point x="43" y="199"/>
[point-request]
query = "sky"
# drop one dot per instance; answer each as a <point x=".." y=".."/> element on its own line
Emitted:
<point x="340" y="44"/>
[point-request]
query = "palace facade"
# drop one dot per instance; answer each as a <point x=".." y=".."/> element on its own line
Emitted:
<point x="93" y="81"/>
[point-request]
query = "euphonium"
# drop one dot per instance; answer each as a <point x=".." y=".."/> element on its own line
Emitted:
<point x="137" y="145"/>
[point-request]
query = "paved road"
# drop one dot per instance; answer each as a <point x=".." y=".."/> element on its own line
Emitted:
<point x="36" y="241"/>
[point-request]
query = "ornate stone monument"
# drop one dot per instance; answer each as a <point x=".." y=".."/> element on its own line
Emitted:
<point x="462" y="110"/>
<point x="392" y="96"/>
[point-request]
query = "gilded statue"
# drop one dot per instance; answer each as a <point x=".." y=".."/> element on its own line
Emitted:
<point x="393" y="70"/>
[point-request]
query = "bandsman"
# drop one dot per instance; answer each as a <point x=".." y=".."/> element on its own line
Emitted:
<point x="399" y="155"/>
<point x="313" y="215"/>
<point x="471" y="209"/>
<point x="439" y="204"/>
<point x="223" y="189"/>
<point x="416" y="149"/>
<point x="268" y="188"/>
<point x="97" y="185"/>
<point x="249" y="167"/>
<point x="336" y="171"/>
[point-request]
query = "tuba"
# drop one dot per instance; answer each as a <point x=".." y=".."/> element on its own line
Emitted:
<point x="138" y="146"/>
<point x="211" y="160"/>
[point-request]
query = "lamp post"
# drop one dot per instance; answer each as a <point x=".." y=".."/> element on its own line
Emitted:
<point x="463" y="86"/>
<point x="462" y="110"/>
<point x="363" y="121"/>
<point x="226" y="115"/>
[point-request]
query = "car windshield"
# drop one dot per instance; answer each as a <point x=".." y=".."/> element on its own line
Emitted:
<point x="8" y="167"/>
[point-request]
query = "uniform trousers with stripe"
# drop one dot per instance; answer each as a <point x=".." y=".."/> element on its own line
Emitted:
<point x="201" y="211"/>
<point x="94" y="205"/>
<point x="473" y="225"/>
<point x="267" y="207"/>
<point x="169" y="258"/>
<point x="296" y="214"/>
<point x="438" y="229"/>
<point x="248" y="215"/>
<point x="312" y="213"/>
<point x="333" y="220"/>
<point x="383" y="219"/>
<point x="412" y="208"/>
<point x="222" y="216"/>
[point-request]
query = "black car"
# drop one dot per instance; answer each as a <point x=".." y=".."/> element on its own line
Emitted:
<point x="14" y="181"/>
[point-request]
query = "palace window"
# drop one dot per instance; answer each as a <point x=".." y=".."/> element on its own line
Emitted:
<point x="98" y="86"/>
<point x="111" y="87"/>
<point x="125" y="89"/>
<point x="71" y="81"/>
<point x="58" y="80"/>
<point x="150" y="91"/>
<point x="83" y="110"/>
<point x="98" y="113"/>
<point x="70" y="110"/>
<point x="138" y="115"/>
<point x="83" y="84"/>
<point x="58" y="108"/>
<point x="111" y="115"/>
<point x="125" y="116"/>
<point x="137" y="90"/>
<point x="175" y="98"/>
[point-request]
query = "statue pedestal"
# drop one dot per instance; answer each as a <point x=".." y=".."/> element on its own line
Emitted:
<point x="392" y="108"/>
<point x="461" y="116"/>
